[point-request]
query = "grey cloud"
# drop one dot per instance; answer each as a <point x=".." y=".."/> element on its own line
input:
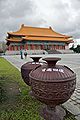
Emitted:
<point x="66" y="19"/>
<point x="17" y="8"/>
<point x="62" y="15"/>
<point x="14" y="13"/>
<point x="21" y="8"/>
<point x="75" y="4"/>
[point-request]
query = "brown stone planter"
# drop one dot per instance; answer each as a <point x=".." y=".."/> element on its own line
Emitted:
<point x="53" y="85"/>
<point x="28" y="67"/>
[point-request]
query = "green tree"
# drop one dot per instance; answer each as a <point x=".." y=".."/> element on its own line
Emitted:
<point x="77" y="49"/>
<point x="3" y="47"/>
<point x="72" y="48"/>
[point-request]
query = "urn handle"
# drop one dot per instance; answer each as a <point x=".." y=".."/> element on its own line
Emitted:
<point x="35" y="59"/>
<point x="51" y="61"/>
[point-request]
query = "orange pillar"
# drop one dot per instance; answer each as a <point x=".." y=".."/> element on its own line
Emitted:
<point x="16" y="47"/>
<point x="10" y="48"/>
<point x="27" y="46"/>
<point x="43" y="47"/>
<point x="32" y="47"/>
<point x="20" y="47"/>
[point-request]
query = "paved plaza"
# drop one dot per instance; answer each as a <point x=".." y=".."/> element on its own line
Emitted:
<point x="70" y="60"/>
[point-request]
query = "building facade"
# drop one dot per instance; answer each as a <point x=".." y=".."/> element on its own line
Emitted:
<point x="34" y="38"/>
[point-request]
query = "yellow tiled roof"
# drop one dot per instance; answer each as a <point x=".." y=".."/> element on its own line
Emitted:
<point x="46" y="38"/>
<point x="40" y="39"/>
<point x="14" y="40"/>
<point x="36" y="31"/>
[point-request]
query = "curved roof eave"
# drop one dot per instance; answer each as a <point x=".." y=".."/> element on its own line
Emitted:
<point x="36" y="31"/>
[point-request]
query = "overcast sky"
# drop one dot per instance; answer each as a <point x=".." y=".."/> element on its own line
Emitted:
<point x="62" y="15"/>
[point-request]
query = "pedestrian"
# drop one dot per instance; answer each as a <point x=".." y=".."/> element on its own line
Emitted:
<point x="25" y="54"/>
<point x="21" y="53"/>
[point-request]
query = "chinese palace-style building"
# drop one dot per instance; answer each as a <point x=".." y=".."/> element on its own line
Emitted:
<point x="34" y="38"/>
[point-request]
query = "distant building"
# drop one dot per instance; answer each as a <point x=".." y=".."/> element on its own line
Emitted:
<point x="35" y="38"/>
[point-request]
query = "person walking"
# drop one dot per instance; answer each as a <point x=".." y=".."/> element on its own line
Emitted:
<point x="21" y="53"/>
<point x="25" y="54"/>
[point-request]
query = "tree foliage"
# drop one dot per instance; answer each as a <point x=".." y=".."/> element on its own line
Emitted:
<point x="75" y="49"/>
<point x="3" y="47"/>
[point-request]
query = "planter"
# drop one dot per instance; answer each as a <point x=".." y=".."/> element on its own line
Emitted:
<point x="53" y="85"/>
<point x="28" y="67"/>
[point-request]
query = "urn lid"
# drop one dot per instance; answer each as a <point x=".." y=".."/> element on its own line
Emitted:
<point x="35" y="58"/>
<point x="52" y="72"/>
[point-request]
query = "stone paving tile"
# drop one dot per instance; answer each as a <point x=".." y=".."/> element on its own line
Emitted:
<point x="73" y="102"/>
<point x="78" y="105"/>
<point x="78" y="101"/>
<point x="73" y="98"/>
<point x="78" y="117"/>
<point x="72" y="108"/>
<point x="78" y="90"/>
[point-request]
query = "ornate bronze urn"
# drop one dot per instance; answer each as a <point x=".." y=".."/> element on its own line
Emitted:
<point x="53" y="85"/>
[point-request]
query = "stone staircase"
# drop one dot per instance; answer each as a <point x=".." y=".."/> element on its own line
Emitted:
<point x="67" y="51"/>
<point x="53" y="52"/>
<point x="29" y="52"/>
<point x="60" y="51"/>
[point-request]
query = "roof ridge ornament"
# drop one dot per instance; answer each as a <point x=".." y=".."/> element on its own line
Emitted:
<point x="50" y="27"/>
<point x="22" y="25"/>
